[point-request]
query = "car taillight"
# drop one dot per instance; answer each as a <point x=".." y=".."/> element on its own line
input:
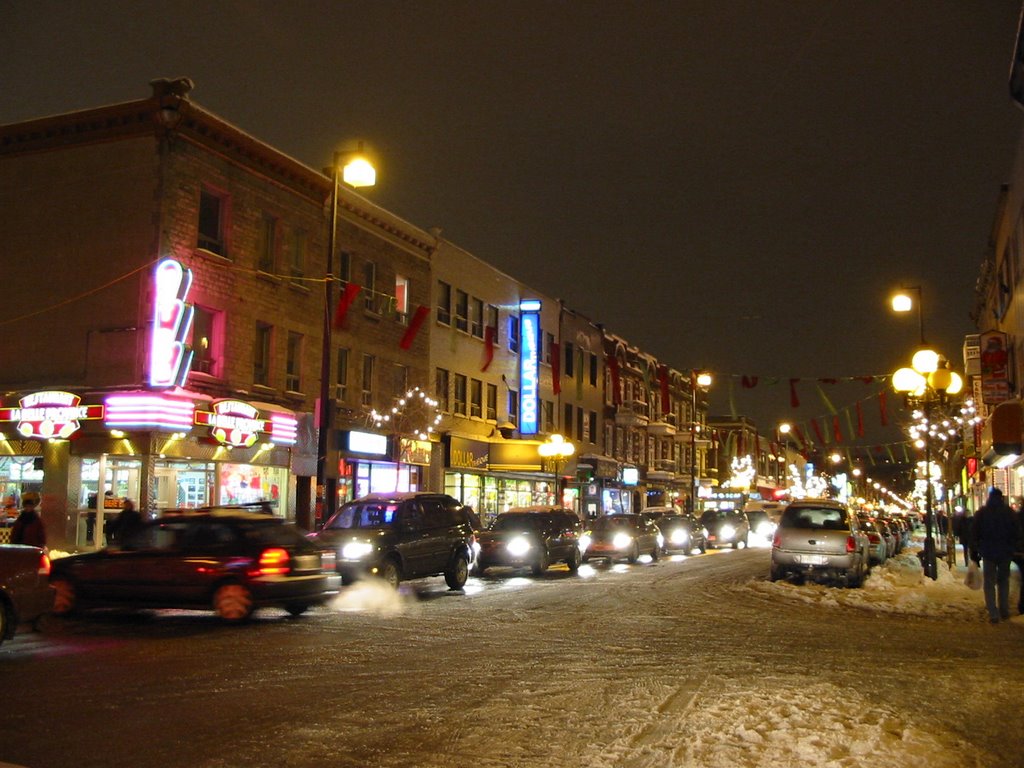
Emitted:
<point x="851" y="544"/>
<point x="874" y="538"/>
<point x="274" y="562"/>
<point x="777" y="539"/>
<point x="44" y="565"/>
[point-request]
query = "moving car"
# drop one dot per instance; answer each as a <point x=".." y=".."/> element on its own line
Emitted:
<point x="682" y="533"/>
<point x="820" y="539"/>
<point x="618" y="536"/>
<point x="531" y="536"/>
<point x="222" y="558"/>
<point x="401" y="536"/>
<point x="25" y="591"/>
<point x="726" y="528"/>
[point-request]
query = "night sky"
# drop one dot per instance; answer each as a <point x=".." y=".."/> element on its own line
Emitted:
<point x="730" y="185"/>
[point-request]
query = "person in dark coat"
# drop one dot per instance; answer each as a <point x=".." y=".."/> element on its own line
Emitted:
<point x="995" y="535"/>
<point x="126" y="525"/>
<point x="29" y="528"/>
<point x="962" y="529"/>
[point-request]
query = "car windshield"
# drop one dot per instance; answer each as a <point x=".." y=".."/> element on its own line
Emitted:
<point x="364" y="514"/>
<point x="516" y="522"/>
<point x="613" y="521"/>
<point x="815" y="518"/>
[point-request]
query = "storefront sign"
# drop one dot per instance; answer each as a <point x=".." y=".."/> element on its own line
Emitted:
<point x="467" y="454"/>
<point x="515" y="456"/>
<point x="414" y="452"/>
<point x="630" y="475"/>
<point x="50" y="414"/>
<point x="368" y="442"/>
<point x="169" y="359"/>
<point x="141" y="409"/>
<point x="234" y="423"/>
<point x="529" y="367"/>
<point x="995" y="367"/>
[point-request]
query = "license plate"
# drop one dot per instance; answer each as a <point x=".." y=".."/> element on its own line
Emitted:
<point x="812" y="559"/>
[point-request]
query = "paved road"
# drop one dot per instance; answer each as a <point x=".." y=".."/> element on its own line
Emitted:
<point x="678" y="662"/>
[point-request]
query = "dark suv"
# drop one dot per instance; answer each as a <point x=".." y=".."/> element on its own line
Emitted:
<point x="726" y="528"/>
<point x="400" y="536"/>
<point x="533" y="537"/>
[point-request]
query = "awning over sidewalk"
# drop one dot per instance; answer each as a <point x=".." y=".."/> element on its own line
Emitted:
<point x="1002" y="442"/>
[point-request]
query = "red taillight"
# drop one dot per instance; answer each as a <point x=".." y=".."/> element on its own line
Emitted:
<point x="274" y="562"/>
<point x="874" y="538"/>
<point x="44" y="565"/>
<point x="777" y="539"/>
<point x="851" y="544"/>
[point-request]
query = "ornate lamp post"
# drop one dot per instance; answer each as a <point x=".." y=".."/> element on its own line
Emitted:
<point x="700" y="379"/>
<point x="556" y="451"/>
<point x="928" y="382"/>
<point x="356" y="172"/>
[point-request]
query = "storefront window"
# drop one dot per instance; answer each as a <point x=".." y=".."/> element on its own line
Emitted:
<point x="183" y="484"/>
<point x="19" y="474"/>
<point x="382" y="477"/>
<point x="251" y="483"/>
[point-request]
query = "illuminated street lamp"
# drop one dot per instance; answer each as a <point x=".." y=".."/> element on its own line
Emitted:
<point x="782" y="438"/>
<point x="556" y="451"/>
<point x="904" y="302"/>
<point x="929" y="382"/>
<point x="356" y="171"/>
<point x="700" y="379"/>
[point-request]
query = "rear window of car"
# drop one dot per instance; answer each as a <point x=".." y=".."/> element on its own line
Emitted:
<point x="513" y="521"/>
<point x="365" y="515"/>
<point x="815" y="518"/>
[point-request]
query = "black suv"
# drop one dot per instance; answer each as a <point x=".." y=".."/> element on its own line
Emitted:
<point x="726" y="528"/>
<point x="533" y="537"/>
<point x="401" y="536"/>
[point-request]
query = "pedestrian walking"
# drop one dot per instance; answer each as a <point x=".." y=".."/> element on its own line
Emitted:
<point x="124" y="527"/>
<point x="962" y="524"/>
<point x="29" y="528"/>
<point x="995" y="536"/>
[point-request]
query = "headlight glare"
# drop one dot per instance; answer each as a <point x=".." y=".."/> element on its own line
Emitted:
<point x="356" y="550"/>
<point x="519" y="546"/>
<point x="727" y="532"/>
<point x="622" y="540"/>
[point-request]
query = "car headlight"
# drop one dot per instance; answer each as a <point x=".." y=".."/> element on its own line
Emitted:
<point x="727" y="532"/>
<point x="585" y="542"/>
<point x="766" y="529"/>
<point x="679" y="536"/>
<point x="519" y="546"/>
<point x="622" y="540"/>
<point x="704" y="532"/>
<point x="356" y="550"/>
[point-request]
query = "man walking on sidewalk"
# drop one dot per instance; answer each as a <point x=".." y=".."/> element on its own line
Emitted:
<point x="996" y="535"/>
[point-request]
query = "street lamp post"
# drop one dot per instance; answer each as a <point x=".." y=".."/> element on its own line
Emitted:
<point x="782" y="440"/>
<point x="700" y="379"/>
<point x="357" y="172"/>
<point x="929" y="382"/>
<point x="556" y="450"/>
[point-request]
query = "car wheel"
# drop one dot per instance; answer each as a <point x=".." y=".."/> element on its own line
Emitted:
<point x="296" y="609"/>
<point x="233" y="602"/>
<point x="584" y="559"/>
<point x="574" y="560"/>
<point x="391" y="573"/>
<point x="634" y="553"/>
<point x="455" y="577"/>
<point x="65" y="597"/>
<point x="775" y="574"/>
<point x="541" y="563"/>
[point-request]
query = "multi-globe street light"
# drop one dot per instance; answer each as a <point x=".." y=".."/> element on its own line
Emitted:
<point x="356" y="172"/>
<point x="556" y="451"/>
<point x="930" y="383"/>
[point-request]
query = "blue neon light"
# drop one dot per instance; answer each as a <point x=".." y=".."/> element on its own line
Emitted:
<point x="529" y="373"/>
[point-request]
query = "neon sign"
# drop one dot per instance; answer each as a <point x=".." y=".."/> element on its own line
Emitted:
<point x="529" y="368"/>
<point x="149" y="410"/>
<point x="50" y="414"/>
<point x="234" y="423"/>
<point x="169" y="358"/>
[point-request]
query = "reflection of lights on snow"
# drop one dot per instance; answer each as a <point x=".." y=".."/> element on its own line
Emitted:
<point x="586" y="571"/>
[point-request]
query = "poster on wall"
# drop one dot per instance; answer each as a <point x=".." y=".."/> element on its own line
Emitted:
<point x="250" y="483"/>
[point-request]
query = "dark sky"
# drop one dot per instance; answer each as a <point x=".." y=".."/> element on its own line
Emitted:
<point x="732" y="185"/>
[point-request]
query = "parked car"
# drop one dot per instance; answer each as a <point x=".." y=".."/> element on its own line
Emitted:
<point x="726" y="528"/>
<point x="621" y="536"/>
<point x="682" y="533"/>
<point x="878" y="547"/>
<point x="533" y="537"/>
<point x="819" y="539"/>
<point x="25" y="591"/>
<point x="761" y="524"/>
<point x="224" y="558"/>
<point x="400" y="536"/>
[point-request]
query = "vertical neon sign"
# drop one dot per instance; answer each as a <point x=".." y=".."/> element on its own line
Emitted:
<point x="169" y="359"/>
<point x="529" y="366"/>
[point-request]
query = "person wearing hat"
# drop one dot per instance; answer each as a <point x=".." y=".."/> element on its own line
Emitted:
<point x="29" y="528"/>
<point x="995" y="535"/>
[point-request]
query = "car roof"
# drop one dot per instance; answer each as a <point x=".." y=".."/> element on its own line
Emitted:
<point x="533" y="509"/>
<point x="818" y="503"/>
<point x="220" y="513"/>
<point x="400" y="496"/>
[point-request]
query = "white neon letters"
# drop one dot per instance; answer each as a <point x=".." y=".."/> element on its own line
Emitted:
<point x="169" y="360"/>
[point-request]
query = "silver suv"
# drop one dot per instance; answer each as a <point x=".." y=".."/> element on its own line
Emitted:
<point x="820" y="539"/>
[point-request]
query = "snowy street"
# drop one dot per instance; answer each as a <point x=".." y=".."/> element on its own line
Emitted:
<point x="694" y="661"/>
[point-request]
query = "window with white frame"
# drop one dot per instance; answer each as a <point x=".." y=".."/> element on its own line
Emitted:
<point x="476" y="317"/>
<point x="366" y="396"/>
<point x="266" y="247"/>
<point x="444" y="303"/>
<point x="402" y="299"/>
<point x="460" y="394"/>
<point x="461" y="310"/>
<point x="442" y="390"/>
<point x="261" y="354"/>
<point x="476" y="398"/>
<point x="293" y="363"/>
<point x="212" y="208"/>
<point x="370" y="286"/>
<point x="341" y="375"/>
<point x="206" y="340"/>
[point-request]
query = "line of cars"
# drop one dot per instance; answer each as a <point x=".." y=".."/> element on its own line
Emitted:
<point x="235" y="559"/>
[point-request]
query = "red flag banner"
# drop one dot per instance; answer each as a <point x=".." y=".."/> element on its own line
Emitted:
<point x="414" y="326"/>
<point x="613" y="368"/>
<point x="488" y="347"/>
<point x="793" y="399"/>
<point x="817" y="432"/>
<point x="749" y="382"/>
<point x="556" y="367"/>
<point x="836" y="431"/>
<point x="344" y="302"/>
<point x="860" y="420"/>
